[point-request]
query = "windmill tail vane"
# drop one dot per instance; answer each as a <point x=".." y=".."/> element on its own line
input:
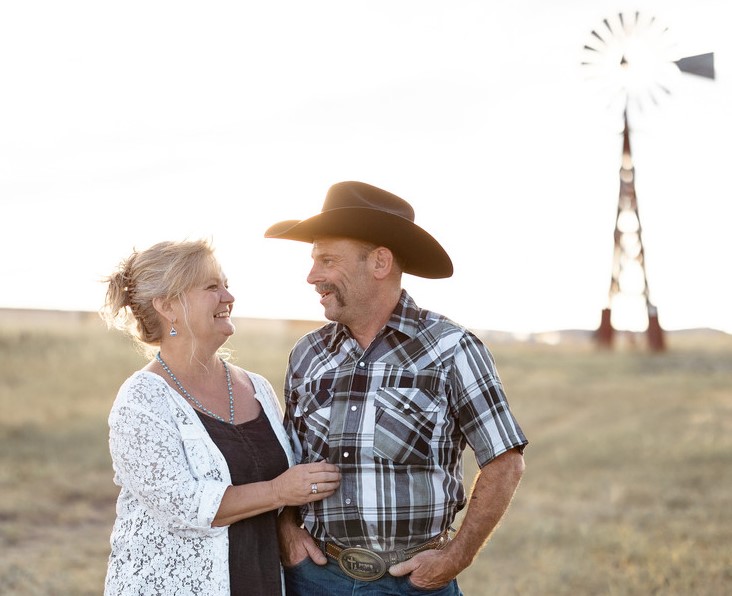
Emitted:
<point x="701" y="65"/>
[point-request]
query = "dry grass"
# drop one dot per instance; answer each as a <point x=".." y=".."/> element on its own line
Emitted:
<point x="627" y="489"/>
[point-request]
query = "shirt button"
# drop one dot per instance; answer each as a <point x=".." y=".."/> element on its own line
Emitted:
<point x="362" y="364"/>
<point x="348" y="501"/>
<point x="346" y="454"/>
<point x="354" y="408"/>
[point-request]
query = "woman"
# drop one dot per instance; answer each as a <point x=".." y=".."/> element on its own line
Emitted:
<point x="197" y="444"/>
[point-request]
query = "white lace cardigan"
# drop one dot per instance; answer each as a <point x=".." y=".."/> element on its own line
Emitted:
<point x="172" y="478"/>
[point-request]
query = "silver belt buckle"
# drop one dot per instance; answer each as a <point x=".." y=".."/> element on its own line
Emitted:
<point x="360" y="563"/>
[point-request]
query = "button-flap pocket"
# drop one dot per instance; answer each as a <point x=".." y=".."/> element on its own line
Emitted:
<point x="405" y="421"/>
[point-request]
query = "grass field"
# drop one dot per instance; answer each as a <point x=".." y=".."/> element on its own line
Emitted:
<point x="628" y="487"/>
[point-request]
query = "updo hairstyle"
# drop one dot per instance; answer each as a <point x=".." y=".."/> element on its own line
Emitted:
<point x="166" y="270"/>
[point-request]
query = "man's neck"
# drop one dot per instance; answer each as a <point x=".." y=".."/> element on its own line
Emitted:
<point x="368" y="328"/>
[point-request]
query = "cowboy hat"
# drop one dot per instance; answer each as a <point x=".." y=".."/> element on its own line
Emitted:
<point x="361" y="211"/>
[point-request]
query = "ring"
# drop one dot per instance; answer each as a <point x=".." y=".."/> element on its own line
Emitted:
<point x="314" y="488"/>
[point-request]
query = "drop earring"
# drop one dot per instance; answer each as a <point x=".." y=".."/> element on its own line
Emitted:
<point x="173" y="332"/>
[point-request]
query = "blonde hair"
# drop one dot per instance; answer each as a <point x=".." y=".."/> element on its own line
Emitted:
<point x="166" y="270"/>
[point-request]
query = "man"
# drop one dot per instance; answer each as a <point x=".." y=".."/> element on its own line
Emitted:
<point x="391" y="394"/>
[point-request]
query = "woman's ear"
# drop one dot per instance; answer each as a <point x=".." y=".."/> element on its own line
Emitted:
<point x="164" y="308"/>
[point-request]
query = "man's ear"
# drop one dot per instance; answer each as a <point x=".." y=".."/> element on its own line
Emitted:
<point x="383" y="262"/>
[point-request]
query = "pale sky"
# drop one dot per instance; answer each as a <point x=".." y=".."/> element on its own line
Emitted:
<point x="123" y="124"/>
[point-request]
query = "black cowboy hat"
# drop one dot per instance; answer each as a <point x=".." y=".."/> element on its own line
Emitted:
<point x="359" y="210"/>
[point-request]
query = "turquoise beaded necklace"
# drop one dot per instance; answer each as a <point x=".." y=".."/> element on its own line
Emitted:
<point x="194" y="400"/>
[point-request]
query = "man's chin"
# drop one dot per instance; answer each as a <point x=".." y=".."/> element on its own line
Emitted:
<point x="332" y="312"/>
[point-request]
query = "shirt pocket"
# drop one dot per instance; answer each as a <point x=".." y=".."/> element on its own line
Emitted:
<point x="314" y="408"/>
<point x="405" y="421"/>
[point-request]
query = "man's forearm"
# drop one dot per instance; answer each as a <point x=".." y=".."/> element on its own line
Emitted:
<point x="492" y="492"/>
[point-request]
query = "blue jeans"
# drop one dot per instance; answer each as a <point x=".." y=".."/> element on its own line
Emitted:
<point x="310" y="579"/>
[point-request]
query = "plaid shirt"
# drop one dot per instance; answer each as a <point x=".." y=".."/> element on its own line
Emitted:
<point x="395" y="418"/>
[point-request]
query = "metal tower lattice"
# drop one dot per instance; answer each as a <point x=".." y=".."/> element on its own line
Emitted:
<point x="629" y="261"/>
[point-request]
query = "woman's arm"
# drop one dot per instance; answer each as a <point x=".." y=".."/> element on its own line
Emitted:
<point x="293" y="487"/>
<point x="150" y="461"/>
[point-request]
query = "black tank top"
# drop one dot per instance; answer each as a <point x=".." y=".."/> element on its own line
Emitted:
<point x="253" y="454"/>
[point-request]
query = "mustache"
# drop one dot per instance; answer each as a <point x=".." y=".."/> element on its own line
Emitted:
<point x="333" y="290"/>
<point x="321" y="288"/>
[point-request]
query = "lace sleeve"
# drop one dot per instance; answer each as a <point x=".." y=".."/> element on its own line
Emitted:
<point x="168" y="468"/>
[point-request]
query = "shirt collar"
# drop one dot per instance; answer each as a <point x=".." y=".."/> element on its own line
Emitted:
<point x="406" y="316"/>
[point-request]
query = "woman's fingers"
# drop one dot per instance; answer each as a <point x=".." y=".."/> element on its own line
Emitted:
<point x="323" y="472"/>
<point x="321" y="466"/>
<point x="305" y="483"/>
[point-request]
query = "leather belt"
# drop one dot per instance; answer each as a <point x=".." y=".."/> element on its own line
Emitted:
<point x="368" y="565"/>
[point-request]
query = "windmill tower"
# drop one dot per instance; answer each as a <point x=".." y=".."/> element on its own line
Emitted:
<point x="630" y="56"/>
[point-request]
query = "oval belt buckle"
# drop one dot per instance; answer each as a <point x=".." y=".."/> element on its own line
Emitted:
<point x="359" y="563"/>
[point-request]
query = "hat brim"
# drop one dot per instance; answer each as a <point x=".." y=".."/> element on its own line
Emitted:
<point x="422" y="255"/>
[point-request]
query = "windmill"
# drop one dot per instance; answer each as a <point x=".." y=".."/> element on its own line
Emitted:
<point x="635" y="63"/>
